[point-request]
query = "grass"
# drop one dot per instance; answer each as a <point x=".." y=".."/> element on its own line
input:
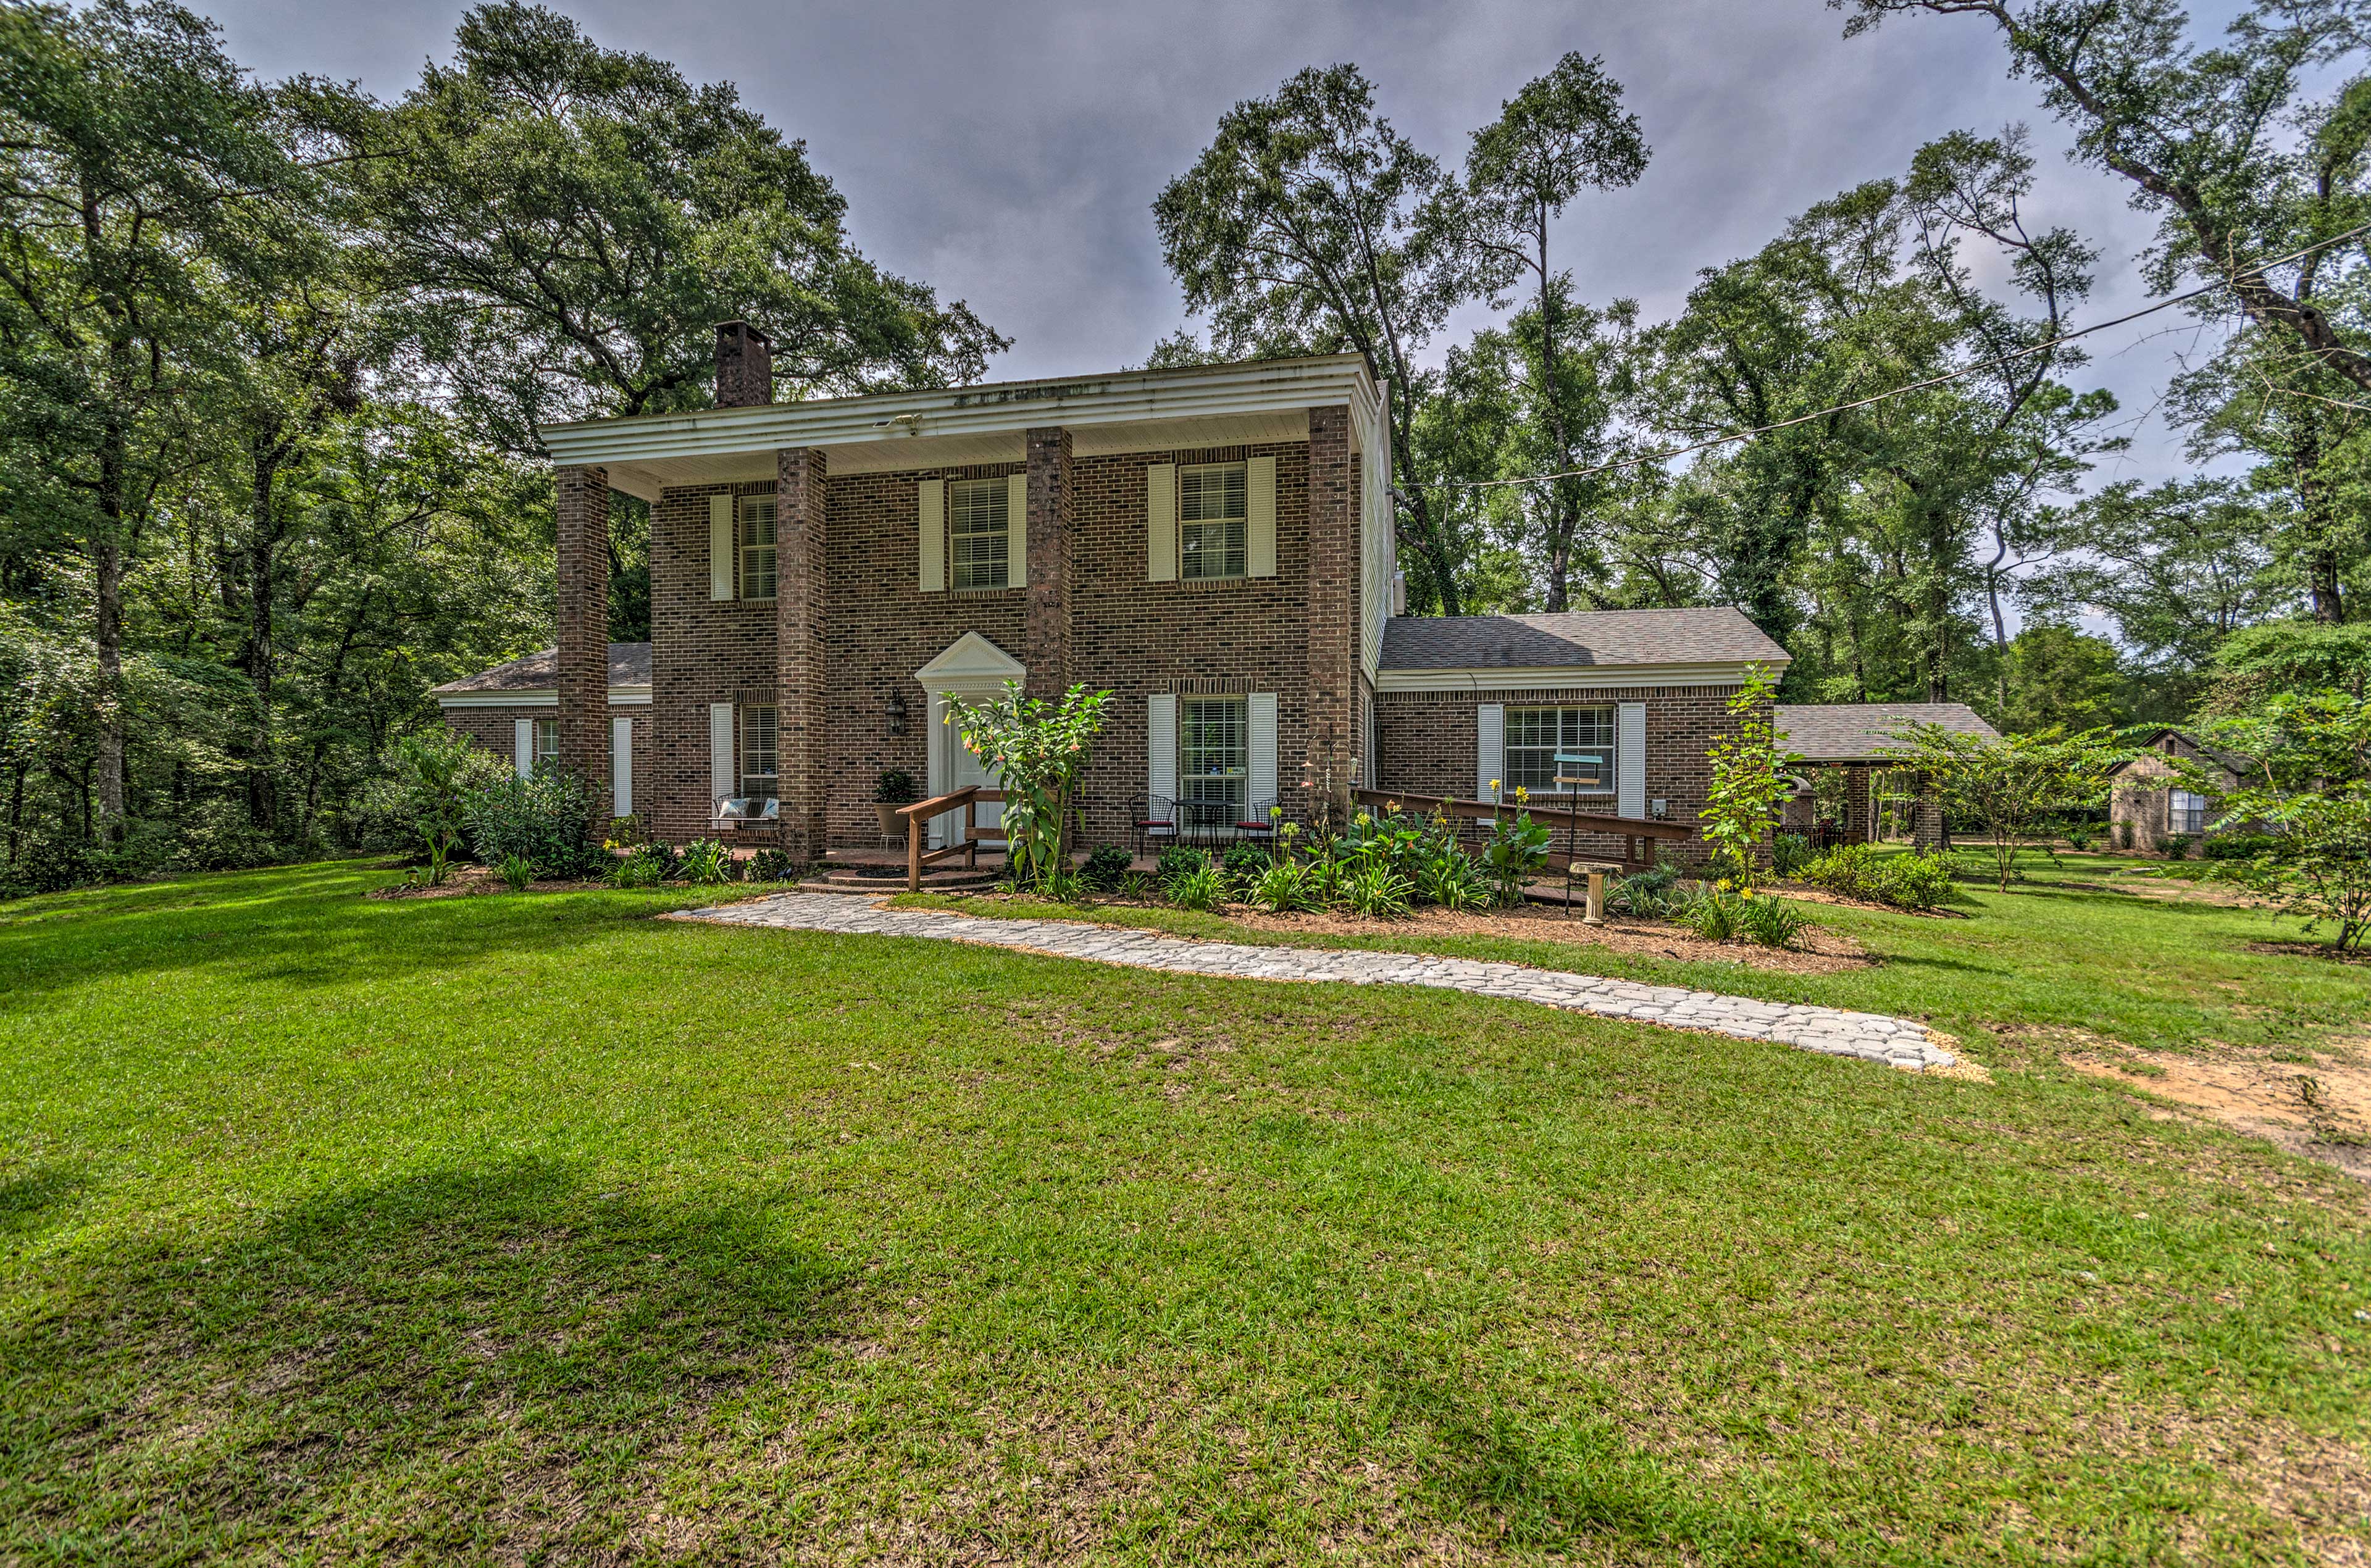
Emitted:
<point x="526" y="1227"/>
<point x="2071" y="947"/>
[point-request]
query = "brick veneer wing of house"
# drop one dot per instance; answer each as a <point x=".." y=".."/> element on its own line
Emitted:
<point x="1213" y="545"/>
<point x="513" y="709"/>
<point x="2148" y="802"/>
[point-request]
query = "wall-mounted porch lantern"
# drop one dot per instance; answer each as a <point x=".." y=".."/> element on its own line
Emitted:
<point x="896" y="714"/>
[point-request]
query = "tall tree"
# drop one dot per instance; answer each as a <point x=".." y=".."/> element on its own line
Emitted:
<point x="133" y="155"/>
<point x="1565" y="133"/>
<point x="566" y="223"/>
<point x="1297" y="231"/>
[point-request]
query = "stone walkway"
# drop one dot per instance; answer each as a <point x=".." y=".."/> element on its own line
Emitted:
<point x="1897" y="1042"/>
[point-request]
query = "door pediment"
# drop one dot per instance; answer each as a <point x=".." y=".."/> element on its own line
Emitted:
<point x="971" y="659"/>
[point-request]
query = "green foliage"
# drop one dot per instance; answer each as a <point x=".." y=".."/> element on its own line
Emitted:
<point x="1712" y="910"/>
<point x="706" y="863"/>
<point x="1106" y="868"/>
<point x="1770" y="920"/>
<point x="2175" y="846"/>
<point x="1517" y="847"/>
<point x="1649" y="895"/>
<point x="540" y="819"/>
<point x="2307" y="784"/>
<point x="1377" y="892"/>
<point x="895" y="788"/>
<point x="1036" y="752"/>
<point x="439" y="775"/>
<point x="645" y="865"/>
<point x="1905" y="881"/>
<point x="2240" y="847"/>
<point x="1287" y="887"/>
<point x="2059" y="678"/>
<point x="1199" y="887"/>
<point x="1245" y="863"/>
<point x="1789" y="853"/>
<point x="1178" y="861"/>
<point x="771" y="866"/>
<point x="2009" y="783"/>
<point x="1449" y="878"/>
<point x="516" y="872"/>
<point x="1750" y="782"/>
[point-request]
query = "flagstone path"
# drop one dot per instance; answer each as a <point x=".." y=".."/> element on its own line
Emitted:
<point x="1896" y="1041"/>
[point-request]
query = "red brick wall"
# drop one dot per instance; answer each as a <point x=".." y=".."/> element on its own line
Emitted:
<point x="701" y="651"/>
<point x="583" y="516"/>
<point x="1427" y="744"/>
<point x="802" y="615"/>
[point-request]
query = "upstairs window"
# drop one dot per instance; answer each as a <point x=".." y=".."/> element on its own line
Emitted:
<point x="979" y="533"/>
<point x="1213" y="515"/>
<point x="759" y="753"/>
<point x="1582" y="737"/>
<point x="756" y="546"/>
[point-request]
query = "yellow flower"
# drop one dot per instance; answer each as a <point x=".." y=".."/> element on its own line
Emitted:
<point x="1723" y="885"/>
<point x="1494" y="786"/>
<point x="1522" y="795"/>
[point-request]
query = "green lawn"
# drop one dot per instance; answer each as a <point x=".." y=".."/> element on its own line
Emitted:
<point x="531" y="1228"/>
<point x="2074" y="946"/>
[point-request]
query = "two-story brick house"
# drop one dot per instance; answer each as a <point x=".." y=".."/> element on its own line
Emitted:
<point x="1212" y="543"/>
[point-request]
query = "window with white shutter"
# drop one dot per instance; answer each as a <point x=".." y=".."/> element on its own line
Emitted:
<point x="756" y="546"/>
<point x="979" y="520"/>
<point x="1213" y="514"/>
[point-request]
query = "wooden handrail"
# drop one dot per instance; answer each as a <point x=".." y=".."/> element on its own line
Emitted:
<point x="968" y="834"/>
<point x="1562" y="816"/>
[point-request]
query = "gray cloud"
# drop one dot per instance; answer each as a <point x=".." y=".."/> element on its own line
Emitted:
<point x="1008" y="154"/>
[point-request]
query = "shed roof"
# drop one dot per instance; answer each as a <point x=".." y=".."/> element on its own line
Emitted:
<point x="1579" y="639"/>
<point x="1862" y="732"/>
<point x="630" y="665"/>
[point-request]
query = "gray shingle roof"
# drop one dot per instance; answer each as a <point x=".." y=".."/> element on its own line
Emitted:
<point x="1860" y="731"/>
<point x="630" y="665"/>
<point x="1720" y="635"/>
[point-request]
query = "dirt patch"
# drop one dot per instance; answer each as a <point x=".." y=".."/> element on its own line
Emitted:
<point x="2320" y="1109"/>
<point x="2323" y="951"/>
<point x="463" y="881"/>
<point x="1823" y="952"/>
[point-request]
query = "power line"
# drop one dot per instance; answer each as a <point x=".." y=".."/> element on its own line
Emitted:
<point x="1994" y="363"/>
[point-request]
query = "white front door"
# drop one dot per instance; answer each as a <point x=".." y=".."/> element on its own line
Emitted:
<point x="966" y="769"/>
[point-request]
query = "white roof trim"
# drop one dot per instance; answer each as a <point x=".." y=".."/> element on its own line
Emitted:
<point x="1571" y="677"/>
<point x="1163" y="398"/>
<point x="972" y="658"/>
<point x="538" y="696"/>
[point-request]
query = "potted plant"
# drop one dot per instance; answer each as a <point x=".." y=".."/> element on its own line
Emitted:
<point x="895" y="788"/>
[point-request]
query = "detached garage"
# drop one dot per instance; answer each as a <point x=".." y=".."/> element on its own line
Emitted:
<point x="1631" y="699"/>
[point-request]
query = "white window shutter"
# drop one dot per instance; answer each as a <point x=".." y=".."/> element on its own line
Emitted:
<point x="934" y="509"/>
<point x="1490" y="750"/>
<point x="1161" y="523"/>
<point x="621" y="768"/>
<point x="719" y="546"/>
<point x="1261" y="785"/>
<point x="722" y="781"/>
<point x="523" y="745"/>
<point x="1630" y="759"/>
<point x="1259" y="517"/>
<point x="1017" y="537"/>
<point x="1161" y="745"/>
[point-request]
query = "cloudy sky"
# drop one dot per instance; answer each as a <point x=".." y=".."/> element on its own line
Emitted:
<point x="1008" y="154"/>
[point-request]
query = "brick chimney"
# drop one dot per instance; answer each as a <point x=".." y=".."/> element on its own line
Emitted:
<point x="744" y="366"/>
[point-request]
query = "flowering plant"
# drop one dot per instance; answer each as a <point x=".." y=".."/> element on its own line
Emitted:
<point x="1035" y="751"/>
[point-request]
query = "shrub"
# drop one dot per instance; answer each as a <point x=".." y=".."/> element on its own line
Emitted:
<point x="1176" y="860"/>
<point x="1287" y="887"/>
<point x="1106" y="867"/>
<point x="769" y="865"/>
<point x="1199" y="887"/>
<point x="516" y="872"/>
<point x="645" y="865"/>
<point x="1647" y="894"/>
<point x="1245" y="863"/>
<point x="2240" y="847"/>
<point x="1065" y="887"/>
<point x="1789" y="853"/>
<point x="1770" y="921"/>
<point x="2123" y="835"/>
<point x="1135" y="885"/>
<point x="895" y="788"/>
<point x="706" y="863"/>
<point x="539" y="819"/>
<point x="1036" y="752"/>
<point x="1713" y="912"/>
<point x="1452" y="881"/>
<point x="1906" y="881"/>
<point x="438" y="774"/>
<point x="1377" y="892"/>
<point x="2176" y="845"/>
<point x="2080" y="835"/>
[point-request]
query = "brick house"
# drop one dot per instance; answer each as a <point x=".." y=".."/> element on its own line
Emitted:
<point x="2148" y="802"/>
<point x="1213" y="544"/>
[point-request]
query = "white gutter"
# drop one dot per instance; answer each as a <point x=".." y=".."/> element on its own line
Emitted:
<point x="1123" y="398"/>
<point x="1575" y="677"/>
